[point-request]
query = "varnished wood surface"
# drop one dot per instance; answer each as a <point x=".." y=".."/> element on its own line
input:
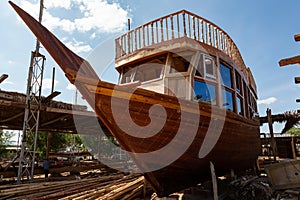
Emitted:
<point x="237" y="147"/>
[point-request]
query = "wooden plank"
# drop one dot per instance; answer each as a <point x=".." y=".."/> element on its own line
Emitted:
<point x="284" y="175"/>
<point x="214" y="181"/>
<point x="289" y="61"/>
<point x="297" y="37"/>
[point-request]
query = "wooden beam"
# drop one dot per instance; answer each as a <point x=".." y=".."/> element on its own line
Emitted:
<point x="51" y="96"/>
<point x="273" y="142"/>
<point x="289" y="61"/>
<point x="3" y="77"/>
<point x="297" y="37"/>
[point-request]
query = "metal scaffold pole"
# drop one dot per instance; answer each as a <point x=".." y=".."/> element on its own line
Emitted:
<point x="32" y="111"/>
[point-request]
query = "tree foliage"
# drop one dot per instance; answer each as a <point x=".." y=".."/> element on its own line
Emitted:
<point x="57" y="142"/>
<point x="295" y="130"/>
<point x="5" y="138"/>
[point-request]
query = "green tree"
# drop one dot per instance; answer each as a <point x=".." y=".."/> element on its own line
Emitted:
<point x="295" y="130"/>
<point x="58" y="141"/>
<point x="5" y="138"/>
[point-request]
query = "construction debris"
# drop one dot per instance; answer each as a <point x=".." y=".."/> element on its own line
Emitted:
<point x="250" y="188"/>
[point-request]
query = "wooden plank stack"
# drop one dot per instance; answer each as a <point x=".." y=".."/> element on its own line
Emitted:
<point x="116" y="186"/>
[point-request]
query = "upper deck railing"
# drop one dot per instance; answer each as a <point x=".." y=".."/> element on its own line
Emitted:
<point x="177" y="25"/>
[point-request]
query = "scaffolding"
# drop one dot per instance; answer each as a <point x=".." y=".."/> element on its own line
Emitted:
<point x="32" y="110"/>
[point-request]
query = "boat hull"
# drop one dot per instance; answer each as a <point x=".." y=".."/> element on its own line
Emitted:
<point x="236" y="147"/>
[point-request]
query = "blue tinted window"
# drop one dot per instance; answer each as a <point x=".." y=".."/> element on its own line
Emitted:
<point x="225" y="75"/>
<point x="204" y="92"/>
<point x="227" y="100"/>
<point x="239" y="103"/>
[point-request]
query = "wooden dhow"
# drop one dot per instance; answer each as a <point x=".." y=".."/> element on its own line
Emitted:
<point x="184" y="98"/>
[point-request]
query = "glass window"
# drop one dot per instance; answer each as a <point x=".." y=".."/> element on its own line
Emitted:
<point x="239" y="103"/>
<point x="180" y="64"/>
<point x="204" y="92"/>
<point x="227" y="99"/>
<point x="225" y="75"/>
<point x="149" y="71"/>
<point x="146" y="71"/>
<point x="200" y="69"/>
<point x="238" y="82"/>
<point x="127" y="77"/>
<point x="209" y="67"/>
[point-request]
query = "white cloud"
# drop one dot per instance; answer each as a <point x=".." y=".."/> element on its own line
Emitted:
<point x="52" y="22"/>
<point x="47" y="83"/>
<point x="101" y="16"/>
<point x="267" y="101"/>
<point x="58" y="4"/>
<point x="96" y="15"/>
<point x="78" y="47"/>
<point x="11" y="62"/>
<point x="7" y="83"/>
<point x="71" y="87"/>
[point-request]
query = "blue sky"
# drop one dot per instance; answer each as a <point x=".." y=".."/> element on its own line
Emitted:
<point x="262" y="30"/>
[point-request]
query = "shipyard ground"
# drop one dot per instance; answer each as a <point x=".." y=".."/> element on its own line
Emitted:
<point x="105" y="183"/>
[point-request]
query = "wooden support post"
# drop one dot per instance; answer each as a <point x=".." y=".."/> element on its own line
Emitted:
<point x="144" y="188"/>
<point x="293" y="148"/>
<point x="273" y="142"/>
<point x="214" y="181"/>
<point x="48" y="145"/>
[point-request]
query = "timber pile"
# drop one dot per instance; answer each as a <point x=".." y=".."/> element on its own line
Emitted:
<point x="116" y="186"/>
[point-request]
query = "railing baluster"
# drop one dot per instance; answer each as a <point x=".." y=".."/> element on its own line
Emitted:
<point x="184" y="24"/>
<point x="178" y="26"/>
<point x="194" y="28"/>
<point x="189" y="26"/>
<point x="157" y="36"/>
<point x="172" y="27"/>
<point x="143" y="33"/>
<point x="162" y="29"/>
<point x="167" y="29"/>
<point x="216" y="38"/>
<point x="152" y="34"/>
<point x="202" y="28"/>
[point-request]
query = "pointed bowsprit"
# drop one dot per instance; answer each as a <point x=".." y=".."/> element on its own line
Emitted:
<point x="70" y="63"/>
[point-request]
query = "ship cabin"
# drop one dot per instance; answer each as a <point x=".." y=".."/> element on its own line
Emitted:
<point x="186" y="56"/>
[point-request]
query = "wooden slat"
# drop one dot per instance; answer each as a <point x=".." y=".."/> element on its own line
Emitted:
<point x="297" y="37"/>
<point x="289" y="61"/>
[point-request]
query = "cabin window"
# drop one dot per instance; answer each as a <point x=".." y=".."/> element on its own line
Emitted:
<point x="209" y="67"/>
<point x="225" y="75"/>
<point x="148" y="71"/>
<point x="180" y="64"/>
<point x="238" y="82"/>
<point x="127" y="77"/>
<point x="227" y="99"/>
<point x="239" y="102"/>
<point x="205" y="92"/>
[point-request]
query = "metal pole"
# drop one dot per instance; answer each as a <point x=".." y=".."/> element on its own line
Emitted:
<point x="53" y="78"/>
